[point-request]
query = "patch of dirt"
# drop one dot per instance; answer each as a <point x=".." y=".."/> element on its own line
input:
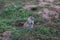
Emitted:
<point x="6" y="35"/>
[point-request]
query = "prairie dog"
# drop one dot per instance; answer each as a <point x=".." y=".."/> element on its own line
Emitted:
<point x="29" y="23"/>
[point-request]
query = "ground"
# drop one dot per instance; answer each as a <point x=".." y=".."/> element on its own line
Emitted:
<point x="14" y="13"/>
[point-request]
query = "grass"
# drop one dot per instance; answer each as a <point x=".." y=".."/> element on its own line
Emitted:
<point x="17" y="13"/>
<point x="47" y="6"/>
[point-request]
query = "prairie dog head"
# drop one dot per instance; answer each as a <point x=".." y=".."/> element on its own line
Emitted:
<point x="31" y="18"/>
